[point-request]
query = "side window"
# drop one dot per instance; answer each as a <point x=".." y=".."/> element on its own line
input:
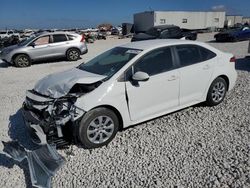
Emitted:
<point x="71" y="37"/>
<point x="155" y="62"/>
<point x="188" y="54"/>
<point x="42" y="41"/>
<point x="59" y="38"/>
<point x="206" y="54"/>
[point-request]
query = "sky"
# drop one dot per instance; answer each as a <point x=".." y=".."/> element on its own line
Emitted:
<point x="20" y="14"/>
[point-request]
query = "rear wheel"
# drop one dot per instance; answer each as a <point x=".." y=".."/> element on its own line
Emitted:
<point x="22" y="60"/>
<point x="216" y="92"/>
<point x="98" y="127"/>
<point x="73" y="54"/>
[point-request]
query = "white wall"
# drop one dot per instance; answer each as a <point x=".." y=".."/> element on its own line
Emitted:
<point x="195" y="20"/>
<point x="231" y="20"/>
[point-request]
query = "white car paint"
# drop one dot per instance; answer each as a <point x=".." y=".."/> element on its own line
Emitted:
<point x="162" y="93"/>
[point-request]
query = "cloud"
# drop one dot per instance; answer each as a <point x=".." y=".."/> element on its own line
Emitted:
<point x="219" y="8"/>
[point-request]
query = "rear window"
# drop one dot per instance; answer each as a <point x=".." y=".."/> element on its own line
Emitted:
<point x="188" y="54"/>
<point x="71" y="37"/>
<point x="59" y="38"/>
<point x="191" y="54"/>
<point x="206" y="54"/>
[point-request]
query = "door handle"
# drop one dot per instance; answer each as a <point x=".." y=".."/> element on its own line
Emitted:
<point x="206" y="67"/>
<point x="173" y="77"/>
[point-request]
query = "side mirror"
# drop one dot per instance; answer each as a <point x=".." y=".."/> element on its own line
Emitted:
<point x="140" y="76"/>
<point x="32" y="44"/>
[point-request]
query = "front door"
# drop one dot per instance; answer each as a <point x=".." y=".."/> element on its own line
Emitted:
<point x="158" y="94"/>
<point x="41" y="48"/>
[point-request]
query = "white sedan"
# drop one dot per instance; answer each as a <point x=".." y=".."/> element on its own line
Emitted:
<point x="127" y="85"/>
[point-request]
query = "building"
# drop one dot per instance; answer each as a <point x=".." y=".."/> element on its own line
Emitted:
<point x="183" y="19"/>
<point x="232" y="20"/>
<point x="246" y="20"/>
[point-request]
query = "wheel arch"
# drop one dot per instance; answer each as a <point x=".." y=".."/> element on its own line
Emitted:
<point x="225" y="78"/>
<point x="72" y="47"/>
<point x="19" y="53"/>
<point x="118" y="114"/>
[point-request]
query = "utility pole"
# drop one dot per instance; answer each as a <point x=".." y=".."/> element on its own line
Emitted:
<point x="249" y="47"/>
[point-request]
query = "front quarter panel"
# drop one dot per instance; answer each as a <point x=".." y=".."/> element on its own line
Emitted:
<point x="110" y="93"/>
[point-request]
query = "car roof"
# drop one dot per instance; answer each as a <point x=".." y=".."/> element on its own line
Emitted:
<point x="151" y="44"/>
<point x="53" y="33"/>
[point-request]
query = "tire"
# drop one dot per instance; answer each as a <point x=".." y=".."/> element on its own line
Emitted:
<point x="91" y="131"/>
<point x="73" y="54"/>
<point x="22" y="60"/>
<point x="217" y="92"/>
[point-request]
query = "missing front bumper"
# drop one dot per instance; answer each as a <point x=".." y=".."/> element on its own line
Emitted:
<point x="35" y="126"/>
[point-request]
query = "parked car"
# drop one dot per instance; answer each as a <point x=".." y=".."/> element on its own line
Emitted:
<point x="45" y="46"/>
<point x="26" y="33"/>
<point x="233" y="35"/>
<point x="125" y="86"/>
<point x="116" y="31"/>
<point x="165" y="32"/>
<point x="8" y="33"/>
<point x="8" y="41"/>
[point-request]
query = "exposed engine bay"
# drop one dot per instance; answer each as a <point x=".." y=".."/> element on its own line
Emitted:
<point x="58" y="117"/>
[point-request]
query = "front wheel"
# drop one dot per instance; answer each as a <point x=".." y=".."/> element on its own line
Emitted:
<point x="98" y="127"/>
<point x="22" y="60"/>
<point x="217" y="92"/>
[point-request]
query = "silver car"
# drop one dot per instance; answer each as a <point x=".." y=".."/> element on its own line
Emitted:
<point x="45" y="46"/>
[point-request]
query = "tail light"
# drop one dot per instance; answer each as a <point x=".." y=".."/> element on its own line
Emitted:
<point x="233" y="59"/>
<point x="83" y="38"/>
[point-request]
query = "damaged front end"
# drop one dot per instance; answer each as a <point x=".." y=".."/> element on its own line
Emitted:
<point x="50" y="105"/>
<point x="56" y="117"/>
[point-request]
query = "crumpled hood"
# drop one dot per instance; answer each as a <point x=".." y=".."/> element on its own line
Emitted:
<point x="59" y="84"/>
<point x="142" y="36"/>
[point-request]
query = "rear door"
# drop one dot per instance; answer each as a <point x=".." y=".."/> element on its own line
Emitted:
<point x="59" y="44"/>
<point x="158" y="94"/>
<point x="196" y="67"/>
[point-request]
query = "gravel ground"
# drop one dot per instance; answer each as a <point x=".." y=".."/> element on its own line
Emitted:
<point x="195" y="147"/>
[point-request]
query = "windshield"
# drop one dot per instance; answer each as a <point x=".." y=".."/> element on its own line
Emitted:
<point x="26" y="41"/>
<point x="110" y="61"/>
<point x="3" y="32"/>
<point x="153" y="31"/>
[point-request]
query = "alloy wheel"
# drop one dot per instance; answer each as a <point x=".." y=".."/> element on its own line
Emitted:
<point x="218" y="92"/>
<point x="23" y="61"/>
<point x="73" y="54"/>
<point x="100" y="129"/>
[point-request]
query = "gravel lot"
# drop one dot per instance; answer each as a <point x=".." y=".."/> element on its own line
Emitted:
<point x="195" y="147"/>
